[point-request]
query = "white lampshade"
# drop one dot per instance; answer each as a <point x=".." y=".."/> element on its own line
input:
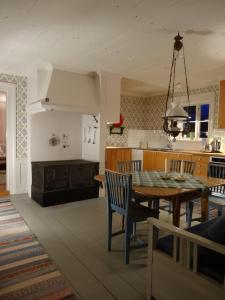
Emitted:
<point x="176" y="112"/>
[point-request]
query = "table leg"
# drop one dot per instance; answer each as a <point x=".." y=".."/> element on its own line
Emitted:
<point x="204" y="207"/>
<point x="176" y="211"/>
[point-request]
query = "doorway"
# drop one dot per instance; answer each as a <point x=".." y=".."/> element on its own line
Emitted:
<point x="2" y="142"/>
<point x="8" y="141"/>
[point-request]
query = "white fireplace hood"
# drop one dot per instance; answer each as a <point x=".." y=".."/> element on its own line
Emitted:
<point x="65" y="91"/>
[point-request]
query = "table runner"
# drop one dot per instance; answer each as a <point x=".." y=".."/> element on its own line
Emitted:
<point x="153" y="179"/>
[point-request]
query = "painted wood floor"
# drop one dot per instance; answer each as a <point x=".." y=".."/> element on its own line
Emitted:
<point x="74" y="235"/>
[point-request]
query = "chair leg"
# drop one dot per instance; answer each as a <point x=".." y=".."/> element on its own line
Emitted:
<point x="189" y="212"/>
<point x="128" y="227"/>
<point x="223" y="210"/>
<point x="150" y="203"/>
<point x="122" y="222"/>
<point x="109" y="230"/>
<point x="220" y="211"/>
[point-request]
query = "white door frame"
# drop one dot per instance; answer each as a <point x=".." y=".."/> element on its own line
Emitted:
<point x="10" y="90"/>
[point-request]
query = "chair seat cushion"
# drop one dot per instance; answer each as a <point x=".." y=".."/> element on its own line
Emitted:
<point x="140" y="212"/>
<point x="216" y="200"/>
<point x="216" y="231"/>
<point x="210" y="263"/>
<point x="138" y="197"/>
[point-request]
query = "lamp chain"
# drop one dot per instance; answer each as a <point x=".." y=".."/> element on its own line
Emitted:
<point x="168" y="92"/>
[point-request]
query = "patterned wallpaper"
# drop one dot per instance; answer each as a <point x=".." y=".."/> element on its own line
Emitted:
<point x="145" y="113"/>
<point x="21" y="111"/>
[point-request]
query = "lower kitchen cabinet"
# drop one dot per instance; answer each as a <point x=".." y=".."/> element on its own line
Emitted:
<point x="55" y="182"/>
<point x="202" y="162"/>
<point x="149" y="160"/>
<point x="114" y="155"/>
<point x="155" y="160"/>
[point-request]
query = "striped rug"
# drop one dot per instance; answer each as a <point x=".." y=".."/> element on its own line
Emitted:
<point x="26" y="272"/>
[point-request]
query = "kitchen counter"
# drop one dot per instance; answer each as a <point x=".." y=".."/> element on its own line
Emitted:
<point x="199" y="152"/>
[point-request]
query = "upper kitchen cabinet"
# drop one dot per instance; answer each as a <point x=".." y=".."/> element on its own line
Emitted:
<point x="221" y="119"/>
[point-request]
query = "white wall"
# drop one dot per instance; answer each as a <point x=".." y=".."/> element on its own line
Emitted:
<point x="90" y="137"/>
<point x="44" y="124"/>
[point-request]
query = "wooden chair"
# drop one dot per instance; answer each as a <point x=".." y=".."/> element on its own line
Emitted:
<point x="131" y="166"/>
<point x="119" y="194"/>
<point x="189" y="167"/>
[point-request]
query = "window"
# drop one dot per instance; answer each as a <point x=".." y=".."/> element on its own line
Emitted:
<point x="199" y="120"/>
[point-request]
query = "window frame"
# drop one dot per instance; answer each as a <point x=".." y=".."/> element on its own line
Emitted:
<point x="197" y="100"/>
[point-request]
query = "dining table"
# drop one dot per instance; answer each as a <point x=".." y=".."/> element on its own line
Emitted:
<point x="174" y="188"/>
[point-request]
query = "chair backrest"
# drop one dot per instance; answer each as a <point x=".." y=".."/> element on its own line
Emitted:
<point x="217" y="171"/>
<point x="189" y="166"/>
<point x="129" y="166"/>
<point x="119" y="189"/>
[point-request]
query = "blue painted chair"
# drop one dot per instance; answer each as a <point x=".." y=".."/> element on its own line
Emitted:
<point x="119" y="194"/>
<point x="131" y="166"/>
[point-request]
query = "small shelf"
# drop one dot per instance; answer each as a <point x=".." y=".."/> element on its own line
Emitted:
<point x="116" y="130"/>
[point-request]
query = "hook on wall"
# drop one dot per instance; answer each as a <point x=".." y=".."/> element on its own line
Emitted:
<point x="95" y="118"/>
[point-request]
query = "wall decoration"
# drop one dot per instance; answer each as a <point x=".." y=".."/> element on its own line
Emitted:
<point x="89" y="134"/>
<point x="94" y="135"/>
<point x="54" y="140"/>
<point x="95" y="118"/>
<point x="65" y="141"/>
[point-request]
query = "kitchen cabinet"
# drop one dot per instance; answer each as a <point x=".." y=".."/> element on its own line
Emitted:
<point x="137" y="154"/>
<point x="221" y="112"/>
<point x="55" y="182"/>
<point x="155" y="160"/>
<point x="201" y="167"/>
<point x="149" y="160"/>
<point x="179" y="156"/>
<point x="114" y="155"/>
<point x="160" y="160"/>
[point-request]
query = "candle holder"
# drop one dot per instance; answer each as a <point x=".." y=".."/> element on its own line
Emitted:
<point x="180" y="178"/>
<point x="165" y="176"/>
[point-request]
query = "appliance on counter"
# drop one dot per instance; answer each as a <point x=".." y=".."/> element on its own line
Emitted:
<point x="215" y="145"/>
<point x="217" y="160"/>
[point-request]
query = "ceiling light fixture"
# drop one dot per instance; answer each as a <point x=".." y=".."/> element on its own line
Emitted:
<point x="175" y="114"/>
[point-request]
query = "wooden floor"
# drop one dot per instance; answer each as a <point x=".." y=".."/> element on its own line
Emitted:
<point x="3" y="191"/>
<point x="74" y="235"/>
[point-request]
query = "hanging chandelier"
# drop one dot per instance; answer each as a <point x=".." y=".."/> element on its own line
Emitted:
<point x="176" y="119"/>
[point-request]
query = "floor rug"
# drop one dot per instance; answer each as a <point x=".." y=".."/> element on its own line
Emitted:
<point x="26" y="271"/>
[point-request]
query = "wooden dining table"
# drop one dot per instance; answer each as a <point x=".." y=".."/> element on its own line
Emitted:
<point x="178" y="195"/>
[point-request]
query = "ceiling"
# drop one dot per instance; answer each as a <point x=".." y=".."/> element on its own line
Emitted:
<point x="133" y="38"/>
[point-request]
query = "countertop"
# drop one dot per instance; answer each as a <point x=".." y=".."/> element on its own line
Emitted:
<point x="197" y="152"/>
